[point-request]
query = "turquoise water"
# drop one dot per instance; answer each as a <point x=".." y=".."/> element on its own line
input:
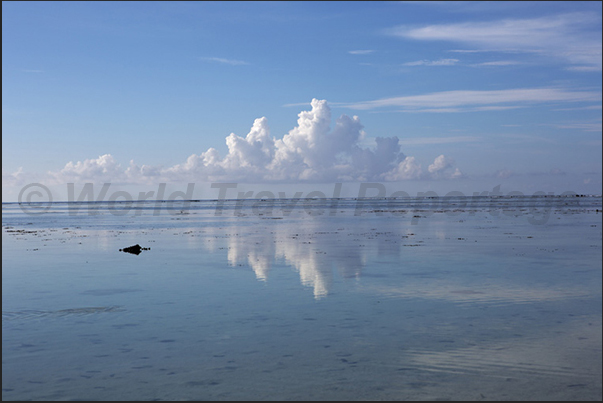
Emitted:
<point x="487" y="299"/>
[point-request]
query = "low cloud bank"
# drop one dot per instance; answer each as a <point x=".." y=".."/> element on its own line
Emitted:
<point x="313" y="151"/>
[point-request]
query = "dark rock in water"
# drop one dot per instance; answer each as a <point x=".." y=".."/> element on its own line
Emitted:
<point x="136" y="249"/>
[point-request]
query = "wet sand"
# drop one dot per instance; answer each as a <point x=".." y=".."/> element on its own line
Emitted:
<point x="382" y="303"/>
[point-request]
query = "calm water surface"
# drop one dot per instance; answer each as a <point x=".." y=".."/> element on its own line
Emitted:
<point x="500" y="299"/>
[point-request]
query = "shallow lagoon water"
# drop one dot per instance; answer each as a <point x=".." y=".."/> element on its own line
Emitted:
<point x="383" y="300"/>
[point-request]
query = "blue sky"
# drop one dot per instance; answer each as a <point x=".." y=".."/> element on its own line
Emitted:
<point x="447" y="95"/>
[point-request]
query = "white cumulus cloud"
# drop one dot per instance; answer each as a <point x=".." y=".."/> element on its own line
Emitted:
<point x="442" y="166"/>
<point x="318" y="149"/>
<point x="103" y="167"/>
<point x="311" y="151"/>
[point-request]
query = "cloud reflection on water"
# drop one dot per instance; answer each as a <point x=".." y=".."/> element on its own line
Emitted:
<point x="309" y="249"/>
<point x="441" y="261"/>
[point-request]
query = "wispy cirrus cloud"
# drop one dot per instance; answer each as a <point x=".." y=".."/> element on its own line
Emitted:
<point x="467" y="51"/>
<point x="574" y="38"/>
<point x="582" y="108"/>
<point x="232" y="62"/>
<point x="472" y="100"/>
<point x="440" y="62"/>
<point x="455" y="62"/>
<point x="458" y="110"/>
<point x="582" y="126"/>
<point x="361" y="52"/>
<point x="497" y="63"/>
<point x="439" y="140"/>
<point x="585" y="68"/>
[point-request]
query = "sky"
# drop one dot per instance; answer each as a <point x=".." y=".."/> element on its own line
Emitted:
<point x="419" y="96"/>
